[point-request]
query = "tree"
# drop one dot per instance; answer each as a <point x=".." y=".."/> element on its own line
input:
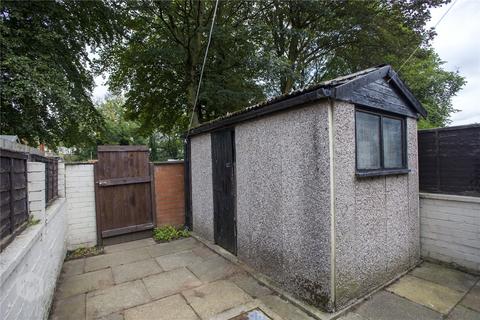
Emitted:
<point x="46" y="83"/>
<point x="159" y="61"/>
<point x="311" y="44"/>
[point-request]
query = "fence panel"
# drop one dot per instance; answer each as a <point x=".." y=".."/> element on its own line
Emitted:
<point x="51" y="176"/>
<point x="13" y="195"/>
<point x="449" y="160"/>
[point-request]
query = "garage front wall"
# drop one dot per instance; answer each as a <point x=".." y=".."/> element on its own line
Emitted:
<point x="283" y="211"/>
<point x="376" y="219"/>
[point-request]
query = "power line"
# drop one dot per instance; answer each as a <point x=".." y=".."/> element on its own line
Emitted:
<point x="203" y="65"/>
<point x="438" y="22"/>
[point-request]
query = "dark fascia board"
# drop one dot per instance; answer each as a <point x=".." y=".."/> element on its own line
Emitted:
<point x="344" y="91"/>
<point x="299" y="100"/>
<point x="339" y="92"/>
<point x="405" y="91"/>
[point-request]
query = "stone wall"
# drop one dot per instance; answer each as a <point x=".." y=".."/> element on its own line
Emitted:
<point x="169" y="193"/>
<point x="30" y="265"/>
<point x="202" y="192"/>
<point x="80" y="193"/>
<point x="376" y="219"/>
<point x="283" y="199"/>
<point x="450" y="230"/>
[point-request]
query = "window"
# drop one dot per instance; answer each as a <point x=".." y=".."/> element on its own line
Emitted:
<point x="380" y="144"/>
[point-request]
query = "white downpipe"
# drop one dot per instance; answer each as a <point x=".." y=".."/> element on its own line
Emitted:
<point x="332" y="202"/>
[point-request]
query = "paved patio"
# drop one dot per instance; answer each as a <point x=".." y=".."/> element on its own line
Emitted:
<point x="186" y="280"/>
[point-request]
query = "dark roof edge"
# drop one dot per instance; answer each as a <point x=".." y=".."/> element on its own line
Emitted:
<point x="405" y="91"/>
<point x="277" y="106"/>
<point x="329" y="90"/>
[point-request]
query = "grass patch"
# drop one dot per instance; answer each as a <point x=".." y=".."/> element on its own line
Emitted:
<point x="169" y="233"/>
<point x="32" y="221"/>
<point x="84" y="252"/>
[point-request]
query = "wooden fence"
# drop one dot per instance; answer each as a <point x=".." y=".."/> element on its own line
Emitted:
<point x="51" y="176"/>
<point x="449" y="160"/>
<point x="14" y="190"/>
<point x="13" y="195"/>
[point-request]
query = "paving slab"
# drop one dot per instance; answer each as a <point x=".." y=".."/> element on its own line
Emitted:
<point x="352" y="316"/>
<point x="170" y="282"/>
<point x="123" y="296"/>
<point x="386" y="306"/>
<point x="129" y="245"/>
<point x="429" y="294"/>
<point x="447" y="277"/>
<point x="73" y="267"/>
<point x="472" y="299"/>
<point x="171" y="308"/>
<point x="250" y="285"/>
<point x="462" y="313"/>
<point x="204" y="252"/>
<point x="216" y="297"/>
<point x="115" y="259"/>
<point x="84" y="282"/>
<point x="284" y="308"/>
<point x="135" y="270"/>
<point x="112" y="316"/>
<point x="178" y="260"/>
<point x="72" y="308"/>
<point x="253" y="310"/>
<point x="214" y="269"/>
<point x="175" y="246"/>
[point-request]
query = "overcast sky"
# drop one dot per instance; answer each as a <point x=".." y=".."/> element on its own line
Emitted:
<point x="457" y="43"/>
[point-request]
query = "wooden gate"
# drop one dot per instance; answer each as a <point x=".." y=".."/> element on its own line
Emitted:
<point x="123" y="190"/>
<point x="223" y="172"/>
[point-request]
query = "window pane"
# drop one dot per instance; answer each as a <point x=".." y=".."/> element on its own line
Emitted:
<point x="368" y="141"/>
<point x="392" y="143"/>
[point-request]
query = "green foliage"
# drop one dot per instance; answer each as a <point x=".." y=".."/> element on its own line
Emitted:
<point x="169" y="233"/>
<point x="84" y="252"/>
<point x="46" y="83"/>
<point x="159" y="62"/>
<point x="164" y="147"/>
<point x="32" y="221"/>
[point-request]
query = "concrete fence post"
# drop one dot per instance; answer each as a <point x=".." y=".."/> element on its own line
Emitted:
<point x="36" y="190"/>
<point x="61" y="179"/>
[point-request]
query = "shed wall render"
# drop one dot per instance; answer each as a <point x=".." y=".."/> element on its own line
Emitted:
<point x="283" y="215"/>
<point x="284" y="212"/>
<point x="201" y="177"/>
<point x="376" y="219"/>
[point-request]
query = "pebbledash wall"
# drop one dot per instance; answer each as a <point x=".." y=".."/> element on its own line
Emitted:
<point x="450" y="230"/>
<point x="80" y="193"/>
<point x="325" y="252"/>
<point x="30" y="265"/>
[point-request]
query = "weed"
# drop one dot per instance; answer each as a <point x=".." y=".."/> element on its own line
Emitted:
<point x="169" y="233"/>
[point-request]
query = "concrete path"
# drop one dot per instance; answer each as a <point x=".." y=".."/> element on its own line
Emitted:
<point x="144" y="280"/>
<point x="184" y="279"/>
<point x="428" y="292"/>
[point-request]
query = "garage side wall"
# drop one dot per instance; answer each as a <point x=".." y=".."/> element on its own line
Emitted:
<point x="202" y="192"/>
<point x="283" y="212"/>
<point x="376" y="219"/>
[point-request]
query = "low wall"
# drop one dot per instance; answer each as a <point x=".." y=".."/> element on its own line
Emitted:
<point x="30" y="265"/>
<point x="169" y="193"/>
<point x="450" y="229"/>
<point x="80" y="193"/>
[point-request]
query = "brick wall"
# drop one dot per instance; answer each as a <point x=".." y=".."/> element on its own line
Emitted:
<point x="80" y="193"/>
<point x="450" y="229"/>
<point x="169" y="193"/>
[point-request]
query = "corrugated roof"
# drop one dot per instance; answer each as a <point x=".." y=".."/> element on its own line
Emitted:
<point x="324" y="84"/>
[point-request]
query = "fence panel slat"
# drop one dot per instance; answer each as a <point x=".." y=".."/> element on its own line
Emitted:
<point x="449" y="160"/>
